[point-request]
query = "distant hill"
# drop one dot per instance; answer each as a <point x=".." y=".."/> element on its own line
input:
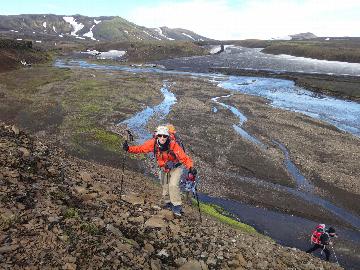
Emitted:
<point x="302" y="36"/>
<point x="77" y="27"/>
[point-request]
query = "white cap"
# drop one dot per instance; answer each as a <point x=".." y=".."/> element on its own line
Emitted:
<point x="162" y="130"/>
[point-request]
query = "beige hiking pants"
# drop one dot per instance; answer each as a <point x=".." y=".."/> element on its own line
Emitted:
<point x="171" y="185"/>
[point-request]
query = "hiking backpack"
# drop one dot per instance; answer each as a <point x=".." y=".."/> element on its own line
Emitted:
<point x="316" y="234"/>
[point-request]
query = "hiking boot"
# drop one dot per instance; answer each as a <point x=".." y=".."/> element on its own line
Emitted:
<point x="177" y="210"/>
<point x="168" y="206"/>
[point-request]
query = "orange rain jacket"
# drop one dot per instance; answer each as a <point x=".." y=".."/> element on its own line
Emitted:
<point x="175" y="153"/>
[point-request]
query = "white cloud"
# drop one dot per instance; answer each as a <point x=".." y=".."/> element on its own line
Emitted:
<point x="254" y="19"/>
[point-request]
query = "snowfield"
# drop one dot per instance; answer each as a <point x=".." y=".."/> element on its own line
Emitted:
<point x="112" y="54"/>
<point x="76" y="26"/>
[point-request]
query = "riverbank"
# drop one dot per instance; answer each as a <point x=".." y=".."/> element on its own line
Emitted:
<point x="345" y="87"/>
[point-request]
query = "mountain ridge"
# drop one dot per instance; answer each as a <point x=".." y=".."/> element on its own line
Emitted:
<point x="79" y="27"/>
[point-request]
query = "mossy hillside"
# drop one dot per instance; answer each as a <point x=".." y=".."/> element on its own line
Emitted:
<point x="220" y="214"/>
<point x="115" y="29"/>
<point x="26" y="82"/>
<point x="92" y="102"/>
<point x="145" y="51"/>
<point x="79" y="104"/>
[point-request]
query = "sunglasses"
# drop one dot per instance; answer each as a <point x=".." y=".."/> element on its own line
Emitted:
<point x="162" y="135"/>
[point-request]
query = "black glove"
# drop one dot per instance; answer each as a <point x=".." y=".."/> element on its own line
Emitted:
<point x="193" y="171"/>
<point x="126" y="146"/>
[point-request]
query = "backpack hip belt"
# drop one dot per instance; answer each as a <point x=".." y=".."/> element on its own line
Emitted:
<point x="170" y="165"/>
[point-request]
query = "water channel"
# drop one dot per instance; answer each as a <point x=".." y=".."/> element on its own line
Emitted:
<point x="283" y="94"/>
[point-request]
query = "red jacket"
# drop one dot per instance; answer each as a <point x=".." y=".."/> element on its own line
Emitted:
<point x="175" y="153"/>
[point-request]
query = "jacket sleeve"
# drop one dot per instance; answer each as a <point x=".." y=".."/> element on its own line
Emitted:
<point x="146" y="147"/>
<point x="183" y="158"/>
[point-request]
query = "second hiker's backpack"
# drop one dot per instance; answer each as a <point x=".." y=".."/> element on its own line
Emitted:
<point x="316" y="234"/>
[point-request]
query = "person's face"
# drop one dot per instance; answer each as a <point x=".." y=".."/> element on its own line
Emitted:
<point x="162" y="138"/>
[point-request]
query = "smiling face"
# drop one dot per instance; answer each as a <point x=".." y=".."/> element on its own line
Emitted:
<point x="162" y="138"/>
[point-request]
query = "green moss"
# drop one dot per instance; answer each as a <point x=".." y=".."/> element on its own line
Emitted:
<point x="90" y="228"/>
<point x="108" y="139"/>
<point x="6" y="221"/>
<point x="71" y="213"/>
<point x="221" y="215"/>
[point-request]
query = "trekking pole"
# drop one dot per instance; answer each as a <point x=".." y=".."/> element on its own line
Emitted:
<point x="197" y="199"/>
<point x="129" y="137"/>
<point x="334" y="253"/>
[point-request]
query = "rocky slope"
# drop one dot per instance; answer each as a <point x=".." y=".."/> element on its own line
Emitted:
<point x="61" y="212"/>
<point x="14" y="54"/>
<point x="77" y="27"/>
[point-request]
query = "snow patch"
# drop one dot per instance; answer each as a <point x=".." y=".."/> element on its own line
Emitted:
<point x="61" y="36"/>
<point x="112" y="54"/>
<point x="151" y="35"/>
<point x="38" y="41"/>
<point x="127" y="32"/>
<point x="162" y="34"/>
<point x="76" y="26"/>
<point x="33" y="32"/>
<point x="188" y="36"/>
<point x="79" y="37"/>
<point x="327" y="38"/>
<point x="90" y="34"/>
<point x="215" y="49"/>
<point x="96" y="22"/>
<point x="19" y="39"/>
<point x="14" y="31"/>
<point x="54" y="29"/>
<point x="44" y="24"/>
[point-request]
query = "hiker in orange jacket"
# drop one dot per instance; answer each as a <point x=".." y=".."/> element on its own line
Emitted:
<point x="170" y="157"/>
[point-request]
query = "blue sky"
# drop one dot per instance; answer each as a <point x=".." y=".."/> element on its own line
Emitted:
<point x="220" y="19"/>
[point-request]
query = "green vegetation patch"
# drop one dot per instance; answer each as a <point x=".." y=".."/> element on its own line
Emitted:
<point x="223" y="216"/>
<point x="71" y="213"/>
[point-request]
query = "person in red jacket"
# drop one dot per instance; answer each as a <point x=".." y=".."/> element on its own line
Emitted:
<point x="171" y="158"/>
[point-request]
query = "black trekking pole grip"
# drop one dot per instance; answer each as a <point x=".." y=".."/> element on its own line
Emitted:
<point x="197" y="199"/>
<point x="129" y="137"/>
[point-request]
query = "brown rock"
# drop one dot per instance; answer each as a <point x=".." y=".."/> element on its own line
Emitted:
<point x="175" y="228"/>
<point x="15" y="129"/>
<point x="89" y="196"/>
<point x="234" y="263"/>
<point x="13" y="174"/>
<point x="132" y="198"/>
<point x="25" y="152"/>
<point x="69" y="266"/>
<point x="52" y="171"/>
<point x="155" y="222"/>
<point x="80" y="190"/>
<point x="241" y="259"/>
<point x="155" y="264"/>
<point x="211" y="261"/>
<point x="149" y="248"/>
<point x="70" y="259"/>
<point x="85" y="176"/>
<point x="139" y="219"/>
<point x="6" y="249"/>
<point x="191" y="265"/>
<point x="114" y="230"/>
<point x="180" y="261"/>
<point x="169" y="216"/>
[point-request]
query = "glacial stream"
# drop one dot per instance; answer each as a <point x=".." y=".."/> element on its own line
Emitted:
<point x="283" y="94"/>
